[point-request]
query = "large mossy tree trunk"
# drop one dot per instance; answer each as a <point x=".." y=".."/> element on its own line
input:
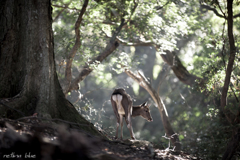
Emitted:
<point x="28" y="79"/>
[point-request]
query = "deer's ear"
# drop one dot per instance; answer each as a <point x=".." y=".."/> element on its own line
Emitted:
<point x="144" y="104"/>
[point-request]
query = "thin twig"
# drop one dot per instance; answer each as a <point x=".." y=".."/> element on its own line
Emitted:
<point x="221" y="9"/>
<point x="161" y="7"/>
<point x="66" y="6"/>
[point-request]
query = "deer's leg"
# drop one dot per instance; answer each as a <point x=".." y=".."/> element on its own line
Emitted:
<point x="128" y="113"/>
<point x="114" y="105"/>
<point x="129" y="125"/>
<point x="121" y="123"/>
<point x="118" y="121"/>
<point x="130" y="129"/>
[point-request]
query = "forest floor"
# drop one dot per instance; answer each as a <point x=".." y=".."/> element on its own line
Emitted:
<point x="31" y="138"/>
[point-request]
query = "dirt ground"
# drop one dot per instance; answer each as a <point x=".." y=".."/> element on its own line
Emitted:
<point x="33" y="138"/>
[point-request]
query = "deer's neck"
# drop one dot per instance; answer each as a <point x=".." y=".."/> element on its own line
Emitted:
<point x="136" y="111"/>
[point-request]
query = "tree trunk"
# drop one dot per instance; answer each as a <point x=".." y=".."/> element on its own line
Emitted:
<point x="28" y="78"/>
<point x="230" y="62"/>
<point x="232" y="119"/>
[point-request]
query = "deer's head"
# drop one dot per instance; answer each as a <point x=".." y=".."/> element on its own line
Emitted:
<point x="145" y="112"/>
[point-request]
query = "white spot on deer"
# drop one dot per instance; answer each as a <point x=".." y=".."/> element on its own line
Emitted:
<point x="118" y="99"/>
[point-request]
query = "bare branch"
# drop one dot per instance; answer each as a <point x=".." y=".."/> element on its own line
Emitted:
<point x="214" y="10"/>
<point x="179" y="70"/>
<point x="171" y="59"/>
<point x="111" y="46"/>
<point x="220" y="9"/>
<point x="143" y="82"/>
<point x="237" y="15"/>
<point x="161" y="7"/>
<point x="65" y="7"/>
<point x="72" y="53"/>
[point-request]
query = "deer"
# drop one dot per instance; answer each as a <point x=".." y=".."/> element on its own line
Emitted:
<point x="123" y="107"/>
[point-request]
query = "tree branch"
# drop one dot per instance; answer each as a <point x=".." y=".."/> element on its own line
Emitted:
<point x="65" y="7"/>
<point x="237" y="15"/>
<point x="133" y="10"/>
<point x="111" y="46"/>
<point x="220" y="9"/>
<point x="161" y="7"/>
<point x="172" y="60"/>
<point x="143" y="82"/>
<point x="72" y="53"/>
<point x="179" y="70"/>
<point x="213" y="9"/>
